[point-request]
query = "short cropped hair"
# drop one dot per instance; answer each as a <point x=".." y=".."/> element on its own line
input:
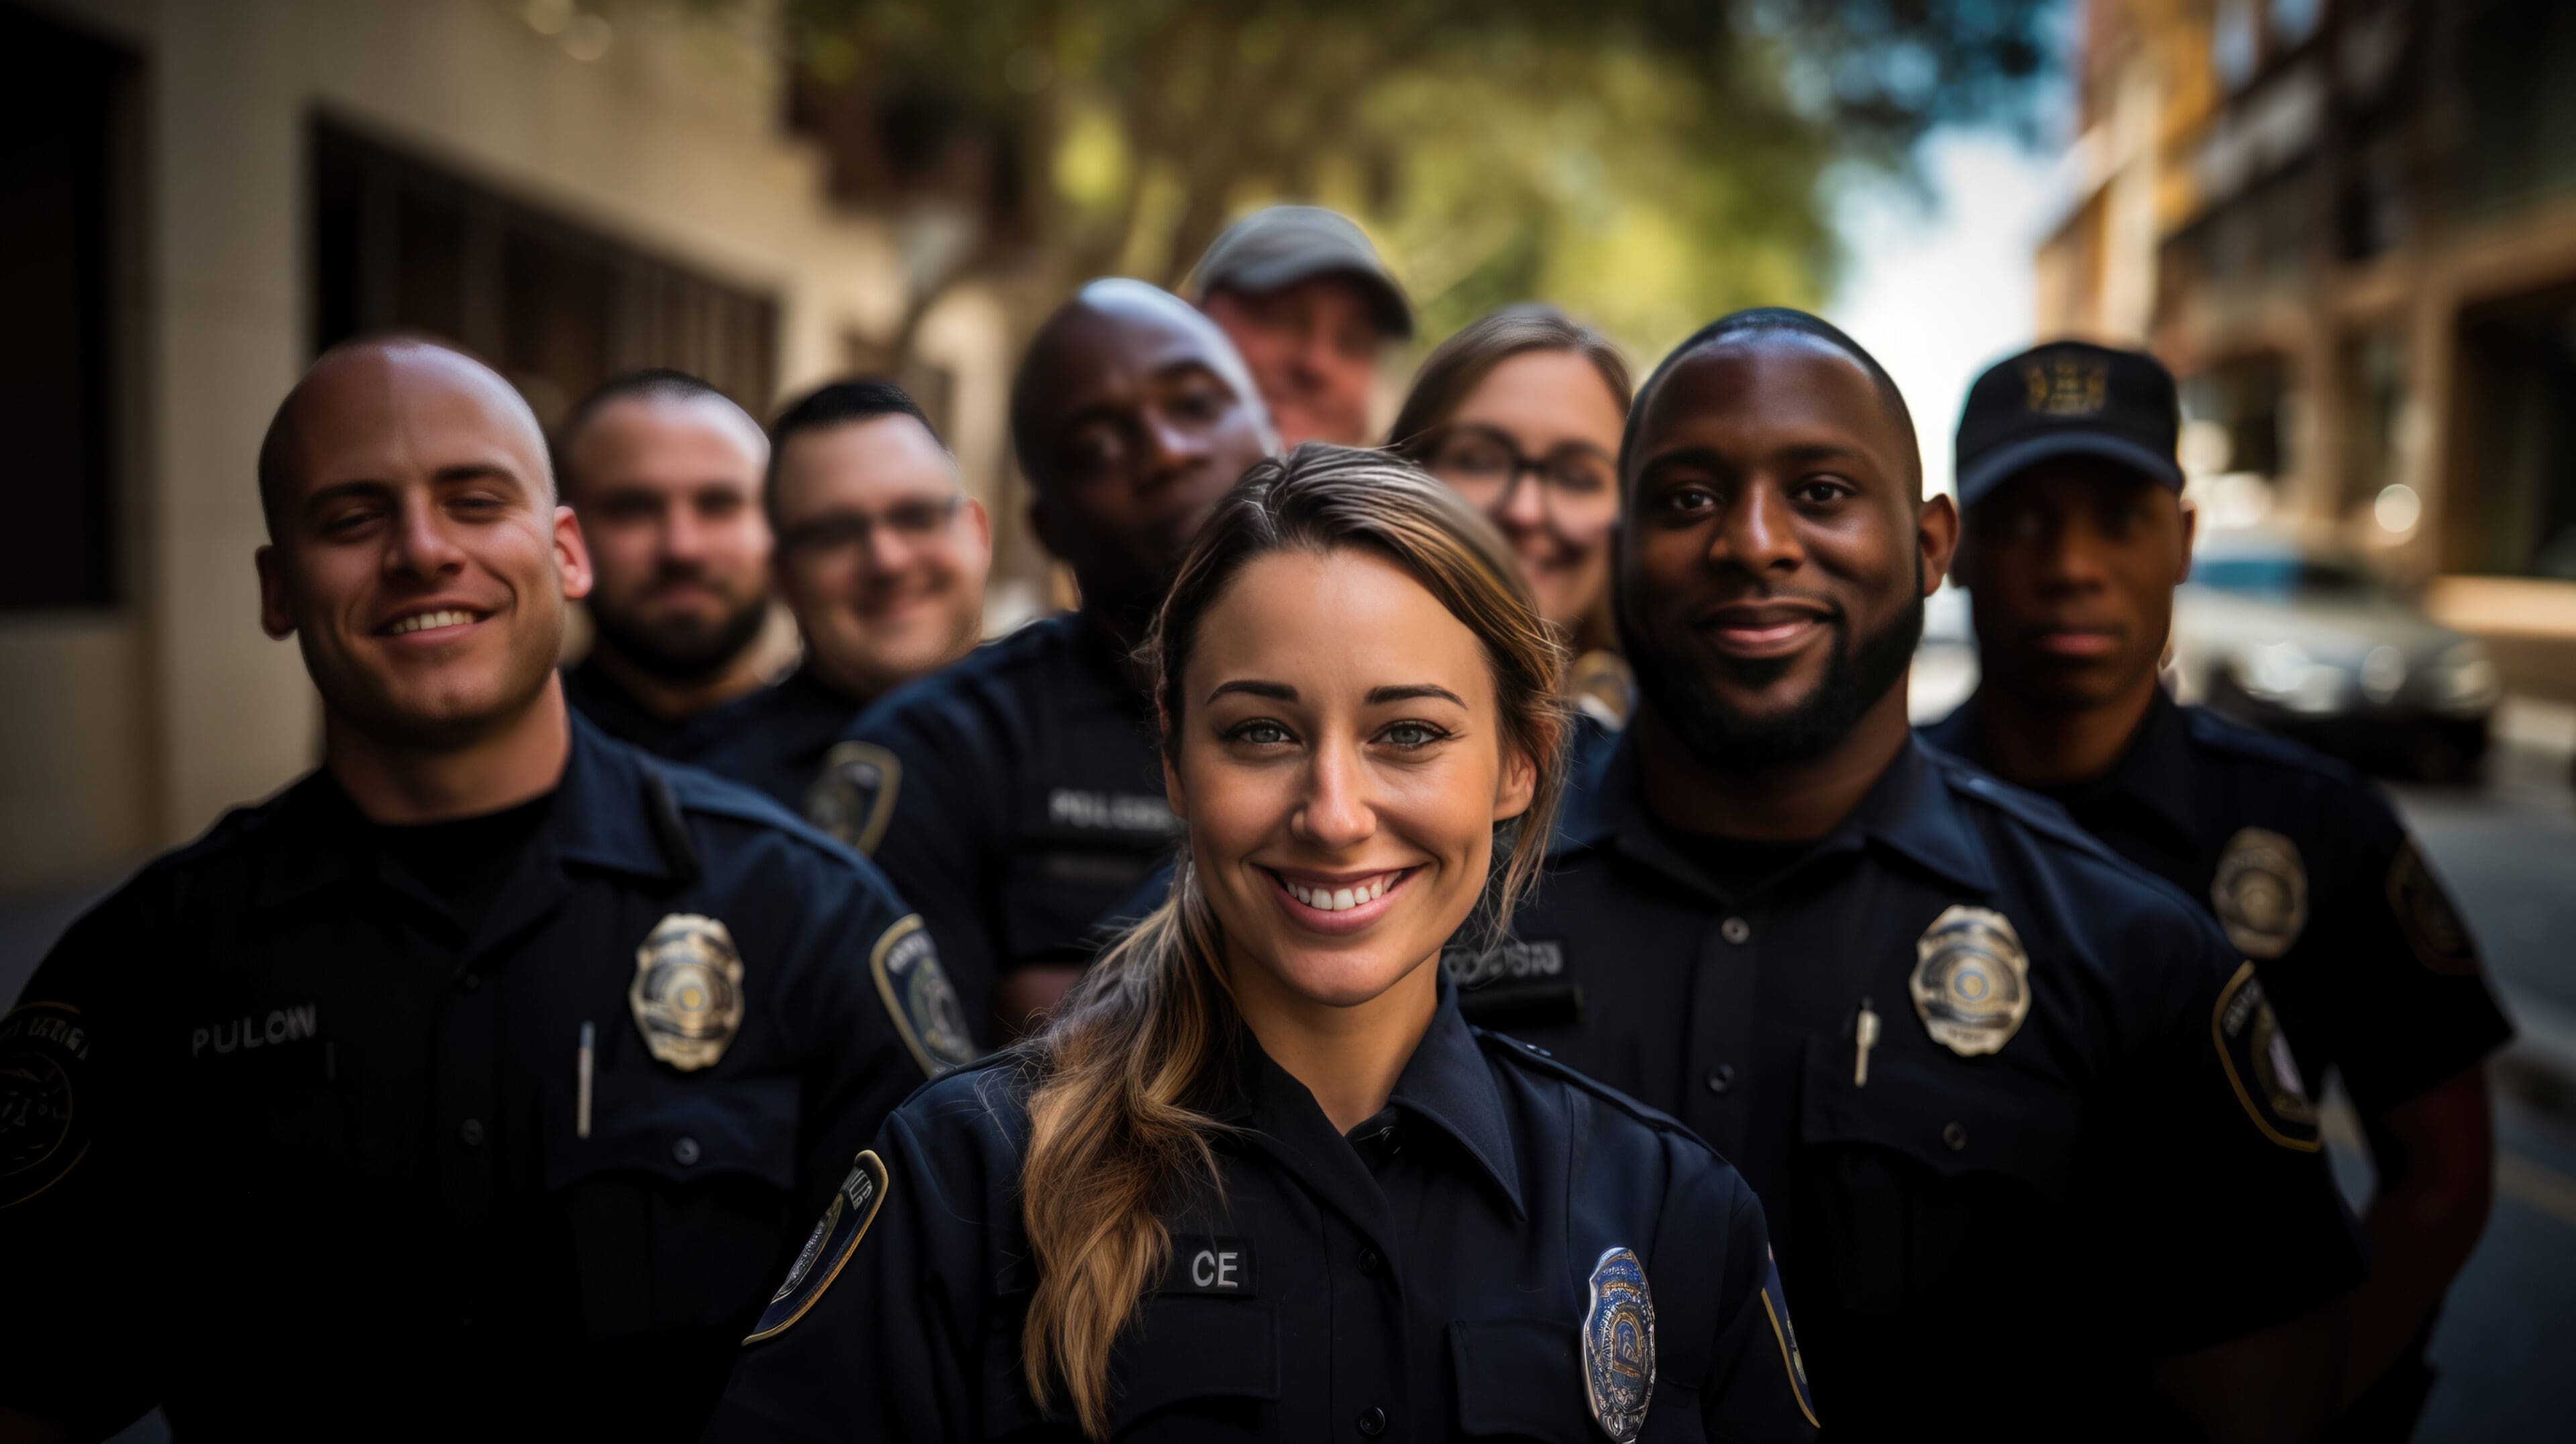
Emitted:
<point x="652" y="383"/>
<point x="1761" y="320"/>
<point x="837" y="403"/>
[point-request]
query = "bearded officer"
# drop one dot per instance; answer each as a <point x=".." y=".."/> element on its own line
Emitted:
<point x="1014" y="797"/>
<point x="2014" y="1109"/>
<point x="487" y="1073"/>
<point x="2075" y="538"/>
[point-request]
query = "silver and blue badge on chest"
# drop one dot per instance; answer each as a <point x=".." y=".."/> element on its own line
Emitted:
<point x="687" y="993"/>
<point x="1619" y="1345"/>
<point x="1971" y="980"/>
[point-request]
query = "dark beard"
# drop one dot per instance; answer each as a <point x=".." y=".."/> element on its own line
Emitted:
<point x="1722" y="739"/>
<point x="687" y="657"/>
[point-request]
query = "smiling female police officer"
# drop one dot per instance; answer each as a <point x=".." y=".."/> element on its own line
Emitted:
<point x="1259" y="1179"/>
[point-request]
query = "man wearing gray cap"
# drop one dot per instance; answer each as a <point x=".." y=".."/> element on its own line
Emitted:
<point x="1305" y="299"/>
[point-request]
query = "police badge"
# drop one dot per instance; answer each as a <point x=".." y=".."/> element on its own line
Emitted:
<point x="1619" y="1345"/>
<point x="2256" y="1055"/>
<point x="687" y="994"/>
<point x="2261" y="892"/>
<point x="1971" y="980"/>
<point x="852" y="796"/>
<point x="919" y="998"/>
<point x="827" y="1249"/>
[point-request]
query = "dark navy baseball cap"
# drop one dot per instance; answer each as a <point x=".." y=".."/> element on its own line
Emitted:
<point x="2068" y="398"/>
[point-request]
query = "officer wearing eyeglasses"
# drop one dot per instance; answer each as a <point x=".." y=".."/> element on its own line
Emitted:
<point x="882" y="557"/>
<point x="1015" y="797"/>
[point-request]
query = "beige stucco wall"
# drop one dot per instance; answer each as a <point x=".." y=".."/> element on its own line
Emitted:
<point x="132" y="730"/>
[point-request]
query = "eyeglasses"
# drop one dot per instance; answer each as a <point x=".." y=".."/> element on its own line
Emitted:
<point x="1578" y="483"/>
<point x="847" y="533"/>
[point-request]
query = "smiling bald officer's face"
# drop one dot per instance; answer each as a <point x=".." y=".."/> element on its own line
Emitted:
<point x="417" y="553"/>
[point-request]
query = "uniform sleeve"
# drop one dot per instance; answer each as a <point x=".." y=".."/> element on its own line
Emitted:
<point x="877" y="1332"/>
<point x="2213" y="1175"/>
<point x="85" y="1204"/>
<point x="941" y="842"/>
<point x="873" y="1013"/>
<point x="2407" y="1006"/>
<point x="1755" y="1387"/>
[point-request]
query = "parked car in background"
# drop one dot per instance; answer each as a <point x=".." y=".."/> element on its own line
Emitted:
<point x="2305" y="639"/>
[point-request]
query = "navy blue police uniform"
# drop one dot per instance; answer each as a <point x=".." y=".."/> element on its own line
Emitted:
<point x="2373" y="973"/>
<point x="1014" y="797"/>
<point x="1507" y="1249"/>
<point x="619" y="713"/>
<point x="775" y="742"/>
<point x="2012" y="1106"/>
<point x="318" y="1128"/>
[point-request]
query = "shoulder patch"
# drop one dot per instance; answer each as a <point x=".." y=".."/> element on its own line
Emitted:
<point x="2260" y="892"/>
<point x="852" y="795"/>
<point x="919" y="997"/>
<point x="2256" y="1055"/>
<point x="43" y="1136"/>
<point x="845" y="1221"/>
<point x="1775" y="1305"/>
<point x="2424" y="913"/>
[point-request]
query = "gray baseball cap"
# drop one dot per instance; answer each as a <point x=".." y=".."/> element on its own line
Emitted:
<point x="1278" y="246"/>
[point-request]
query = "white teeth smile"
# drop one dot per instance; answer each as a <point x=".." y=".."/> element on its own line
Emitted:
<point x="427" y="620"/>
<point x="1337" y="899"/>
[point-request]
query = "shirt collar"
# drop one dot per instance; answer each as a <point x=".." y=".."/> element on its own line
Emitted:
<point x="1447" y="1082"/>
<point x="2153" y="773"/>
<point x="1910" y="810"/>
<point x="605" y="815"/>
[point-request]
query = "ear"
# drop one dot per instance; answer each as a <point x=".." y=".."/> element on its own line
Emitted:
<point x="980" y="522"/>
<point x="1042" y="521"/>
<point x="1519" y="784"/>
<point x="275" y="617"/>
<point x="572" y="555"/>
<point x="2190" y="533"/>
<point x="1936" y="531"/>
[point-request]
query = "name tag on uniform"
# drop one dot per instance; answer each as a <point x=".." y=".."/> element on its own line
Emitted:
<point x="1208" y="1264"/>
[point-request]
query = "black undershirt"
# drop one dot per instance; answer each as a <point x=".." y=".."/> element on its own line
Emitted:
<point x="466" y="862"/>
<point x="1738" y="867"/>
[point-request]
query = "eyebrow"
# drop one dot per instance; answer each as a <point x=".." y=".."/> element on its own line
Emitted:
<point x="1377" y="696"/>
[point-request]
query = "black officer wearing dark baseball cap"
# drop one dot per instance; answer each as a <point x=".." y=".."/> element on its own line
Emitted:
<point x="2074" y="539"/>
<point x="2008" y="1101"/>
<point x="1310" y="305"/>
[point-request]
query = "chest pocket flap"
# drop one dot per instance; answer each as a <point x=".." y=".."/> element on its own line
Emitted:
<point x="677" y="1130"/>
<point x="1213" y="1360"/>
<point x="1954" y="1116"/>
<point x="1520" y="1379"/>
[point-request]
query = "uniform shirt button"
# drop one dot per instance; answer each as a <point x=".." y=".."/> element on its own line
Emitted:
<point x="1370" y="1263"/>
<point x="685" y="1152"/>
<point x="1735" y="930"/>
<point x="1954" y="1136"/>
<point x="1373" y="1422"/>
<point x="470" y="1132"/>
<point x="1721" y="1077"/>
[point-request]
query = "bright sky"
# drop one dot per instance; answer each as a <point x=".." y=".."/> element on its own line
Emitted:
<point x="1938" y="293"/>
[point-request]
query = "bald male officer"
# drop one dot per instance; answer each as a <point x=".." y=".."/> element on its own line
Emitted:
<point x="478" y="1081"/>
<point x="1015" y="797"/>
<point x="665" y="473"/>
<point x="2011" y="1105"/>
<point x="2075" y="538"/>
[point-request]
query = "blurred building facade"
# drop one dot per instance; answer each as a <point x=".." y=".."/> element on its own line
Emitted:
<point x="2350" y="227"/>
<point x="204" y="193"/>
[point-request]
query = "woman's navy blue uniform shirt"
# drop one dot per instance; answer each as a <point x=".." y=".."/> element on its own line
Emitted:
<point x="294" y="1150"/>
<point x="1014" y="798"/>
<point x="1993" y="1236"/>
<point x="1426" y="1277"/>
